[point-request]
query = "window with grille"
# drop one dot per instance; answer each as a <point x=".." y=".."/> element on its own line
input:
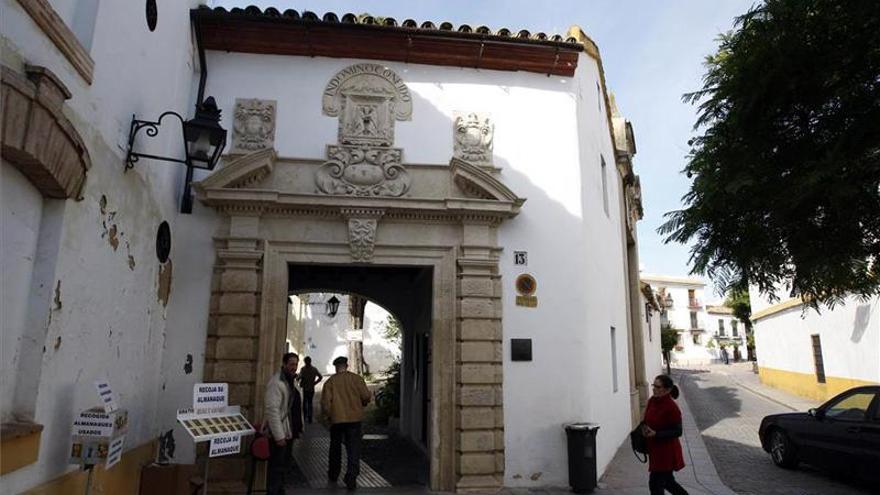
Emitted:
<point x="817" y="359"/>
<point x="733" y="328"/>
<point x="720" y="327"/>
<point x="694" y="320"/>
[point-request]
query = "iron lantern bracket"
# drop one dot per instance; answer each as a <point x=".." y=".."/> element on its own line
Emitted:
<point x="152" y="130"/>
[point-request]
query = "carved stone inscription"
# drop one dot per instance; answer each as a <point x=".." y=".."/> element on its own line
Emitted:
<point x="254" y="125"/>
<point x="472" y="138"/>
<point x="367" y="99"/>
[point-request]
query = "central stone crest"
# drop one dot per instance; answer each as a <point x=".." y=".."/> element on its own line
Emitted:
<point x="368" y="99"/>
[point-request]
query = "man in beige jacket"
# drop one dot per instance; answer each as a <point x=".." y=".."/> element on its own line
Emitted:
<point x="343" y="400"/>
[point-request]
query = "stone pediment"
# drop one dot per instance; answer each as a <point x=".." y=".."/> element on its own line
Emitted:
<point x="245" y="184"/>
<point x="240" y="172"/>
<point x="476" y="182"/>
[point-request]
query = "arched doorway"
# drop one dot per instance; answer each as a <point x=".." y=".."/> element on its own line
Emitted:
<point x="272" y="223"/>
<point x="395" y="454"/>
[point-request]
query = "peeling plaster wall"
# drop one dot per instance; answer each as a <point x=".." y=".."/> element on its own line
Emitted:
<point x="98" y="314"/>
<point x="21" y="207"/>
<point x="192" y="250"/>
<point x="550" y="133"/>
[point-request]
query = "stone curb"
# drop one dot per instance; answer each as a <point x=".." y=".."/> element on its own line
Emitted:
<point x="762" y="394"/>
<point x="699" y="464"/>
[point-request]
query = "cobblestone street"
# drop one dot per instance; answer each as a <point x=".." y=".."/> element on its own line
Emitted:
<point x="728" y="414"/>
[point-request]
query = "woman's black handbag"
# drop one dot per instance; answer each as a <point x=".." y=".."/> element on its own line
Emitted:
<point x="639" y="443"/>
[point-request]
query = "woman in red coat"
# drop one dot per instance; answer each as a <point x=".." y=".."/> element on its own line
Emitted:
<point x="662" y="427"/>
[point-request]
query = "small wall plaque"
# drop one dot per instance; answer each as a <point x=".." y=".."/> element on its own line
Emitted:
<point x="520" y="349"/>
<point x="521" y="258"/>
<point x="527" y="301"/>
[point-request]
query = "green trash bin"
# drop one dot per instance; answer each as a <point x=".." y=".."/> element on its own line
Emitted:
<point x="582" y="456"/>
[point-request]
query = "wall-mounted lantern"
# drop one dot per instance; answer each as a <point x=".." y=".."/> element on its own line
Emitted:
<point x="203" y="141"/>
<point x="332" y="306"/>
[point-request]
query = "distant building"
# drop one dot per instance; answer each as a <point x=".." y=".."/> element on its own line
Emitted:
<point x="681" y="300"/>
<point x="356" y="331"/>
<point x="816" y="355"/>
<point x="729" y="333"/>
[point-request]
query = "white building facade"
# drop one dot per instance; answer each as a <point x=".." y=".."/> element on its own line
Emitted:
<point x="816" y="355"/>
<point x="728" y="334"/>
<point x="682" y="300"/>
<point x="485" y="197"/>
<point x="323" y="334"/>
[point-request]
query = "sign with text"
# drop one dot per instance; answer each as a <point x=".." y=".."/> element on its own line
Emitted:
<point x="210" y="398"/>
<point x="207" y="427"/>
<point x="521" y="258"/>
<point x="226" y="445"/>
<point x="93" y="423"/>
<point x="115" y="451"/>
<point x="97" y="423"/>
<point x="108" y="400"/>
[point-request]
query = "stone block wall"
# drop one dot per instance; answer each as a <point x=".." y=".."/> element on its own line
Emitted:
<point x="480" y="425"/>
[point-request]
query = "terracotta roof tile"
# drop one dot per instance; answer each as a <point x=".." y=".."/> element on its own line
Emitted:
<point x="390" y="22"/>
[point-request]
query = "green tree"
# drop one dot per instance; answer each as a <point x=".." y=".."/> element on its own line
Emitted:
<point x="668" y="341"/>
<point x="739" y="301"/>
<point x="391" y="330"/>
<point x="786" y="172"/>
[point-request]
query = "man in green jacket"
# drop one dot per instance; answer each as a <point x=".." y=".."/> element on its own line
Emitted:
<point x="343" y="400"/>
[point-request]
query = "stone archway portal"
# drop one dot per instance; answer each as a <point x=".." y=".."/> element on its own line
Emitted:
<point x="364" y="207"/>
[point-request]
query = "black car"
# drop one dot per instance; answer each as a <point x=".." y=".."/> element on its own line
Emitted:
<point x="842" y="435"/>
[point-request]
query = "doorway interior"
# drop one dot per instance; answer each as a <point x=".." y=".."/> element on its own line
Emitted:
<point x="356" y="310"/>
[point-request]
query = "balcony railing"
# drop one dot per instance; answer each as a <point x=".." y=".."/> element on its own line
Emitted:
<point x="695" y="304"/>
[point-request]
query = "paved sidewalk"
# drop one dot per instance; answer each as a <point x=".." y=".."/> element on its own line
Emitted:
<point x="627" y="476"/>
<point x="742" y="375"/>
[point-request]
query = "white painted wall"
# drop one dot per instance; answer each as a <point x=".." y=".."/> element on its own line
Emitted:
<point x="109" y="322"/>
<point x="550" y="133"/>
<point x="850" y="336"/>
<point x="650" y="321"/>
<point x="325" y="336"/>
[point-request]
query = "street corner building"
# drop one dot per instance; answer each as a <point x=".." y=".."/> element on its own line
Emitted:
<point x="682" y="308"/>
<point x="476" y="183"/>
<point x="813" y="354"/>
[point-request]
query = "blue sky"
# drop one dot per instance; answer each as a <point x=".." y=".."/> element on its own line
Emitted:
<point x="653" y="52"/>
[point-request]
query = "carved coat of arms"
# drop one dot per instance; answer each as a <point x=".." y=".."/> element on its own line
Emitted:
<point x="253" y="125"/>
<point x="472" y="135"/>
<point x="367" y="98"/>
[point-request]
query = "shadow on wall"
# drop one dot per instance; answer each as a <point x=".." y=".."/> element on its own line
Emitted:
<point x="860" y="324"/>
<point x="570" y="240"/>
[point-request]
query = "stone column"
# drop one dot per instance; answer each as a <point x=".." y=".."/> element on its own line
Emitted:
<point x="480" y="428"/>
<point x="231" y="350"/>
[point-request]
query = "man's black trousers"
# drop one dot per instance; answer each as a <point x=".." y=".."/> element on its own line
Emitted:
<point x="350" y="435"/>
